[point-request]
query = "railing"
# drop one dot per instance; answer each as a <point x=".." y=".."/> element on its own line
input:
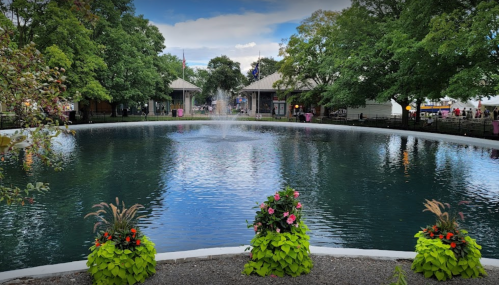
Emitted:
<point x="481" y="128"/>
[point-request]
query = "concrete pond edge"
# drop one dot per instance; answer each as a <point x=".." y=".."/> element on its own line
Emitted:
<point x="215" y="253"/>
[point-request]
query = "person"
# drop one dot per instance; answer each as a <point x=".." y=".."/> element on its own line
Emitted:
<point x="457" y="112"/>
<point x="464" y="113"/>
<point x="428" y="122"/>
<point x="478" y="114"/>
<point x="439" y="113"/>
<point x="273" y="111"/>
<point x="495" y="113"/>
<point x="486" y="113"/>
<point x="361" y="116"/>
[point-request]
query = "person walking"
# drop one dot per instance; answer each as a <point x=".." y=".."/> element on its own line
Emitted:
<point x="495" y="113"/>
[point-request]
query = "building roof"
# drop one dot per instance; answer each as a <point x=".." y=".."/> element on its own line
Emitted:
<point x="180" y="84"/>
<point x="265" y="84"/>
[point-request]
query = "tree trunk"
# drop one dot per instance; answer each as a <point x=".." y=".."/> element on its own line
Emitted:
<point x="114" y="106"/>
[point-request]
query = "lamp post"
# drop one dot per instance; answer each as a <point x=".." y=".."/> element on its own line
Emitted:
<point x="296" y="112"/>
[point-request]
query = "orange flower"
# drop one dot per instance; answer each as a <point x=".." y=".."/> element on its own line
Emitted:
<point x="432" y="235"/>
<point x="133" y="230"/>
<point x="449" y="235"/>
<point x="441" y="236"/>
<point x="109" y="237"/>
<point x="425" y="230"/>
<point x="128" y="239"/>
<point x="453" y="244"/>
<point x="463" y="241"/>
<point x="133" y="235"/>
<point x="106" y="234"/>
<point x="138" y="242"/>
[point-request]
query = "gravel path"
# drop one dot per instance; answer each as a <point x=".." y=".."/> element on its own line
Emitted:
<point x="227" y="270"/>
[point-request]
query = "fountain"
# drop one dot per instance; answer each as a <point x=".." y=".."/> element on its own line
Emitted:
<point x="222" y="113"/>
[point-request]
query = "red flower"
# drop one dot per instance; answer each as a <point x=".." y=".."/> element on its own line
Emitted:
<point x="432" y="235"/>
<point x="106" y="234"/>
<point x="425" y="230"/>
<point x="133" y="230"/>
<point x="109" y="237"/>
<point x="453" y="244"/>
<point x="449" y="235"/>
<point x="463" y="241"/>
<point x="97" y="244"/>
<point x="133" y="235"/>
<point x="441" y="236"/>
<point x="138" y="242"/>
<point x="128" y="239"/>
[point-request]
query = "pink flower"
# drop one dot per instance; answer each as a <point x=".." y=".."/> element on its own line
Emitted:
<point x="289" y="221"/>
<point x="298" y="206"/>
<point x="262" y="206"/>
<point x="271" y="211"/>
<point x="277" y="197"/>
<point x="292" y="217"/>
<point x="278" y="230"/>
<point x="285" y="214"/>
<point x="296" y="194"/>
<point x="296" y="225"/>
<point x="255" y="228"/>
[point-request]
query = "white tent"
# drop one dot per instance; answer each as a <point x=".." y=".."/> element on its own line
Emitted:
<point x="371" y="110"/>
<point x="494" y="101"/>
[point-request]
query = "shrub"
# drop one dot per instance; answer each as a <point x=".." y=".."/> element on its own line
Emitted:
<point x="280" y="245"/>
<point x="110" y="265"/>
<point x="121" y="253"/>
<point x="445" y="250"/>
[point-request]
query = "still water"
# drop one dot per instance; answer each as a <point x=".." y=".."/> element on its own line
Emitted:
<point x="359" y="190"/>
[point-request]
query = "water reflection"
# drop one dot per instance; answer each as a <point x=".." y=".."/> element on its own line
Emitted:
<point x="359" y="190"/>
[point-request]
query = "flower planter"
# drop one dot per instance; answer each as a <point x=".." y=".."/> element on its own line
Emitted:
<point x="110" y="265"/>
<point x="280" y="245"/>
<point x="437" y="259"/>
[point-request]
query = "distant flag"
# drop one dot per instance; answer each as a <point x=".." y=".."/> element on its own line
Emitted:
<point x="255" y="71"/>
<point x="183" y="61"/>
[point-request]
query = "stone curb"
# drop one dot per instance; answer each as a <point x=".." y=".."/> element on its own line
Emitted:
<point x="216" y="253"/>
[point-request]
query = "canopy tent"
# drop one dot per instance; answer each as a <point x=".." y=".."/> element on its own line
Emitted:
<point x="494" y="101"/>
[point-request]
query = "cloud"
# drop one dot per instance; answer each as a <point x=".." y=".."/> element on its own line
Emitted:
<point x="248" y="45"/>
<point x="205" y="38"/>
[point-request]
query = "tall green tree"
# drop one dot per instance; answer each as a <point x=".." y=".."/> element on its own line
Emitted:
<point x="467" y="37"/>
<point x="303" y="57"/>
<point x="224" y="74"/>
<point x="266" y="67"/>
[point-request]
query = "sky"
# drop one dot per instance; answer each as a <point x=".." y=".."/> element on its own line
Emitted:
<point x="239" y="29"/>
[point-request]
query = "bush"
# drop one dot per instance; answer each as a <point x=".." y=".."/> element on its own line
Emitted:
<point x="110" y="265"/>
<point x="280" y="245"/>
<point x="121" y="254"/>
<point x="445" y="250"/>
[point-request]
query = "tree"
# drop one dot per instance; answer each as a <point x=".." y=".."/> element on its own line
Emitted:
<point x="304" y="55"/>
<point x="467" y="37"/>
<point x="32" y="91"/>
<point x="224" y="74"/>
<point x="200" y="78"/>
<point x="266" y="67"/>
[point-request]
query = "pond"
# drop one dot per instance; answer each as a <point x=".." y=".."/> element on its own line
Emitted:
<point x="359" y="189"/>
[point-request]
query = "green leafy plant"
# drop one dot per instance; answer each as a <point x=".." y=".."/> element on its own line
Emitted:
<point x="280" y="246"/>
<point x="445" y="250"/>
<point x="121" y="253"/>
<point x="110" y="265"/>
<point x="399" y="276"/>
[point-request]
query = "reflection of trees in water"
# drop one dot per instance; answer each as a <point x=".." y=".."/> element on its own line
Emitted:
<point x="122" y="162"/>
<point x="374" y="184"/>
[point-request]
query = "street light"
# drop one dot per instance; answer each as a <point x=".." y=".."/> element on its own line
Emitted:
<point x="296" y="112"/>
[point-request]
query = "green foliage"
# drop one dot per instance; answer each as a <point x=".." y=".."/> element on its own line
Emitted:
<point x="434" y="258"/>
<point x="224" y="74"/>
<point x="280" y="246"/>
<point x="110" y="265"/>
<point x="399" y="275"/>
<point x="32" y="91"/>
<point x="280" y="253"/>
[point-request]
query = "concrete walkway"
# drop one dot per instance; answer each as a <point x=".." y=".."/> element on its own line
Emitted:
<point x="209" y="253"/>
